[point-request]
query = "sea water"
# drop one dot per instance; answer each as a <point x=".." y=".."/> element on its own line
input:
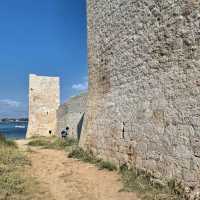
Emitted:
<point x="13" y="130"/>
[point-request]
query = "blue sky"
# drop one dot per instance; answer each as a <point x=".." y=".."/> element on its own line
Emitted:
<point x="44" y="37"/>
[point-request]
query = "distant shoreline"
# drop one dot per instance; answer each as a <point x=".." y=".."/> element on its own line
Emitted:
<point x="22" y="119"/>
<point x="13" y="122"/>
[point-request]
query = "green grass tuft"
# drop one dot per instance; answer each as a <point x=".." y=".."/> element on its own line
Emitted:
<point x="52" y="142"/>
<point x="38" y="143"/>
<point x="142" y="182"/>
<point x="82" y="155"/>
<point x="87" y="156"/>
<point x="107" y="165"/>
<point x="62" y="143"/>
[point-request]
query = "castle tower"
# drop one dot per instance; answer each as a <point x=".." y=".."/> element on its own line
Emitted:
<point x="144" y="85"/>
<point x="44" y="100"/>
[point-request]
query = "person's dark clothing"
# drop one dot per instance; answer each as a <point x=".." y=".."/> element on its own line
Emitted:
<point x="64" y="134"/>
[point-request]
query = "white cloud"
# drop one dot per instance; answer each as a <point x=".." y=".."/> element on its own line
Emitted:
<point x="10" y="103"/>
<point x="81" y="86"/>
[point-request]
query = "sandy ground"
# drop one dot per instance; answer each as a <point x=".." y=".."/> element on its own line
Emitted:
<point x="69" y="179"/>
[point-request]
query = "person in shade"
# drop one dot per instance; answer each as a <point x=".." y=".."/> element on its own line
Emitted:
<point x="65" y="133"/>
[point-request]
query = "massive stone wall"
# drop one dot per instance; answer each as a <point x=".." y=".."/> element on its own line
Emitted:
<point x="144" y="85"/>
<point x="71" y="114"/>
<point x="44" y="100"/>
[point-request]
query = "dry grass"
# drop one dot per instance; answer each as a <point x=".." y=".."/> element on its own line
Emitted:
<point x="14" y="185"/>
<point x="142" y="182"/>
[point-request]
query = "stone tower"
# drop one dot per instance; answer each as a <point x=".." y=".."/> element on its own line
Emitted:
<point x="144" y="85"/>
<point x="44" y="100"/>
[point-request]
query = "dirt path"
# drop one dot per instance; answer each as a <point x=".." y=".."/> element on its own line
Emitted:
<point x="69" y="179"/>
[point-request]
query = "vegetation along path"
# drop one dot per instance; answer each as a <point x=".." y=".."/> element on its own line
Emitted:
<point x="69" y="179"/>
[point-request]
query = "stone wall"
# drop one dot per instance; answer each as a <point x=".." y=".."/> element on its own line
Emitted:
<point x="71" y="114"/>
<point x="144" y="85"/>
<point x="44" y="100"/>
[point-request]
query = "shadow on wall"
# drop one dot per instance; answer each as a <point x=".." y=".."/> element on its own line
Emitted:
<point x="80" y="126"/>
<point x="71" y="114"/>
